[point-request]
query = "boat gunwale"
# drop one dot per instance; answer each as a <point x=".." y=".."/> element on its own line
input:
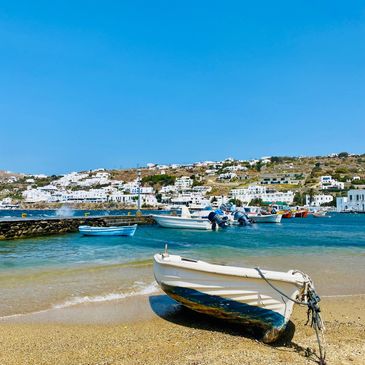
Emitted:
<point x="90" y="229"/>
<point x="179" y="217"/>
<point x="222" y="270"/>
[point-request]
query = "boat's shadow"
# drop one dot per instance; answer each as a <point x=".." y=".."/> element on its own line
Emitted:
<point x="171" y="311"/>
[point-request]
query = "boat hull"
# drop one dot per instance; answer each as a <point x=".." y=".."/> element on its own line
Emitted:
<point x="182" y="223"/>
<point x="270" y="218"/>
<point x="108" y="231"/>
<point x="320" y="215"/>
<point x="301" y="214"/>
<point x="287" y="215"/>
<point x="242" y="297"/>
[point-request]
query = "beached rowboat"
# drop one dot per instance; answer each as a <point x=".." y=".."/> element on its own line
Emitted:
<point x="108" y="231"/>
<point x="263" y="299"/>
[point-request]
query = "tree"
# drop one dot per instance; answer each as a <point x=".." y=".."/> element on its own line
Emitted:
<point x="258" y="166"/>
<point x="343" y="154"/>
<point x="162" y="180"/>
<point x="236" y="202"/>
<point x="257" y="202"/>
<point x="311" y="195"/>
<point x="299" y="199"/>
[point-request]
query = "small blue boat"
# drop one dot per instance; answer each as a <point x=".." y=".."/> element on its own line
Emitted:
<point x="108" y="231"/>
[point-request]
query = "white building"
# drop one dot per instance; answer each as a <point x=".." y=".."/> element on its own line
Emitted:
<point x="318" y="200"/>
<point x="133" y="187"/>
<point x="327" y="182"/>
<point x="217" y="200"/>
<point x="202" y="189"/>
<point x="354" y="202"/>
<point x="36" y="196"/>
<point x="142" y="190"/>
<point x="84" y="196"/>
<point x="262" y="192"/>
<point x="132" y="199"/>
<point x="286" y="178"/>
<point x="71" y="179"/>
<point x="7" y="203"/>
<point x="211" y="172"/>
<point x="183" y="183"/>
<point x="168" y="189"/>
<point x="235" y="168"/>
<point x="227" y="176"/>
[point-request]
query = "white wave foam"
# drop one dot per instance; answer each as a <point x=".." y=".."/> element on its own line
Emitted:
<point x="143" y="290"/>
<point x="152" y="288"/>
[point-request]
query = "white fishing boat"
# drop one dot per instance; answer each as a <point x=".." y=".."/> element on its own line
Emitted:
<point x="254" y="297"/>
<point x="108" y="231"/>
<point x="320" y="214"/>
<point x="266" y="218"/>
<point x="185" y="220"/>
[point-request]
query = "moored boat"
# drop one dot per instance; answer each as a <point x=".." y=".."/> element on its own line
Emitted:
<point x="301" y="213"/>
<point x="108" y="231"/>
<point x="266" y="218"/>
<point x="180" y="222"/>
<point x="319" y="214"/>
<point x="185" y="221"/>
<point x="253" y="297"/>
<point x="287" y="214"/>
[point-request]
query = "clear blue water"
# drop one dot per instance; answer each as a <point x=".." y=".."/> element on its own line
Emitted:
<point x="51" y="270"/>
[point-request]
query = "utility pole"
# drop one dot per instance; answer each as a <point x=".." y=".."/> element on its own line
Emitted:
<point x="139" y="192"/>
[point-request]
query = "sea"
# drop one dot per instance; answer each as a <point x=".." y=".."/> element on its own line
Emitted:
<point x="39" y="274"/>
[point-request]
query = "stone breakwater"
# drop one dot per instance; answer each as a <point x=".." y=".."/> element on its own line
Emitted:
<point x="25" y="227"/>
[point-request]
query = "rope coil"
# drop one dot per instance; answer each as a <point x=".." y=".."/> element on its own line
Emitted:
<point x="312" y="300"/>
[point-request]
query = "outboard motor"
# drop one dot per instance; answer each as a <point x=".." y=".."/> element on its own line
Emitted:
<point x="242" y="219"/>
<point x="217" y="220"/>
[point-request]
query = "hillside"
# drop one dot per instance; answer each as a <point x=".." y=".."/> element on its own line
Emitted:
<point x="298" y="174"/>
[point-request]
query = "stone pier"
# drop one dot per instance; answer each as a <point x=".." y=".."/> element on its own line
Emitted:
<point x="34" y="227"/>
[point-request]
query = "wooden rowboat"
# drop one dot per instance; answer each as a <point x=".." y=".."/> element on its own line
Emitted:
<point x="253" y="297"/>
<point x="108" y="231"/>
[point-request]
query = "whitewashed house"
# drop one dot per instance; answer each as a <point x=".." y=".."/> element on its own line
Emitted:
<point x="354" y="202"/>
<point x="318" y="200"/>
<point x="227" y="176"/>
<point x="327" y="182"/>
<point x="168" y="189"/>
<point x="36" y="196"/>
<point x="245" y="195"/>
<point x="183" y="183"/>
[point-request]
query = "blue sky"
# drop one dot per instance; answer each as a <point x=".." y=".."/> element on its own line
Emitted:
<point x="87" y="84"/>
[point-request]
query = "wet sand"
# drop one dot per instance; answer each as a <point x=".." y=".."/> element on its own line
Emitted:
<point x="155" y="330"/>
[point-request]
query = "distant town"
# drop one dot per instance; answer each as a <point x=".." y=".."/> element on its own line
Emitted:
<point x="336" y="180"/>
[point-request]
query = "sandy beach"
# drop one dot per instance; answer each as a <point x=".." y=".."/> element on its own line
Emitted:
<point x="155" y="330"/>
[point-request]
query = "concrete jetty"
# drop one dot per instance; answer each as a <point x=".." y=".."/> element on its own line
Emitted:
<point x="34" y="227"/>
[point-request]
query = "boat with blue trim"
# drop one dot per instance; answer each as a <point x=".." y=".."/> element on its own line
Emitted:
<point x="184" y="221"/>
<point x="108" y="231"/>
<point x="254" y="297"/>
